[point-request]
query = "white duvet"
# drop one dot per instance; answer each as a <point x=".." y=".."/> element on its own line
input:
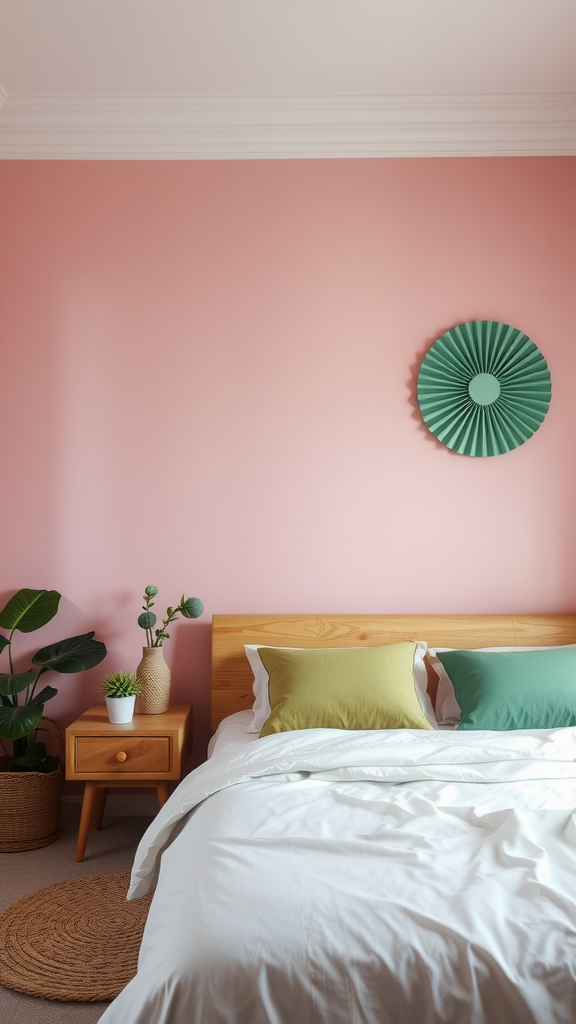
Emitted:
<point x="331" y="877"/>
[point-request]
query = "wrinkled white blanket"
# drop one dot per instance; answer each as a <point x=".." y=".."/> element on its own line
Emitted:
<point x="329" y="877"/>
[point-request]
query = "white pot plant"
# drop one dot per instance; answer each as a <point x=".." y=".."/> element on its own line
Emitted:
<point x="120" y="690"/>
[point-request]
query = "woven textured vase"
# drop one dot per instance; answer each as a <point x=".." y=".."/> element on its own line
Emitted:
<point x="154" y="676"/>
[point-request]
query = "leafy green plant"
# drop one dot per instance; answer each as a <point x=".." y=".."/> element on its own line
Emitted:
<point x="120" y="684"/>
<point x="189" y="607"/>
<point x="25" y="612"/>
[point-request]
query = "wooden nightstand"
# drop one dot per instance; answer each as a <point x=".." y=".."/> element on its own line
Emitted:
<point x="149" y="751"/>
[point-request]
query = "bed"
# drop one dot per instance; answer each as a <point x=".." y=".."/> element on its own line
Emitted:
<point x="370" y="873"/>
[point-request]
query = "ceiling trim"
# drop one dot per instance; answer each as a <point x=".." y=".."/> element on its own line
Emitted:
<point x="228" y="128"/>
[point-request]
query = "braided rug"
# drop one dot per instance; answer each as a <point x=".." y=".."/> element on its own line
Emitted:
<point x="76" y="941"/>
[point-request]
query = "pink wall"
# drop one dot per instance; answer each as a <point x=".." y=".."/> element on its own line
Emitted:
<point x="208" y="384"/>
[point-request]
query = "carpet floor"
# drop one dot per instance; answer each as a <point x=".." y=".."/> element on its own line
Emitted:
<point x="111" y="849"/>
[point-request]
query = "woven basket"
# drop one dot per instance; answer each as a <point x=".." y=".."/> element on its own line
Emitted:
<point x="30" y="802"/>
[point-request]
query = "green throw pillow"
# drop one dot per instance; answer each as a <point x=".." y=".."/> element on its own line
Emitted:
<point x="516" y="690"/>
<point x="349" y="688"/>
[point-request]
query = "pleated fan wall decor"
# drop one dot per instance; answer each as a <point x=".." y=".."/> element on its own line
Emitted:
<point x="483" y="388"/>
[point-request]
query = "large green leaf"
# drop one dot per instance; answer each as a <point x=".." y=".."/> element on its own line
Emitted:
<point x="10" y="684"/>
<point x="46" y="694"/>
<point x="18" y="722"/>
<point x="35" y="757"/>
<point x="75" y="654"/>
<point x="29" y="610"/>
<point x="4" y="642"/>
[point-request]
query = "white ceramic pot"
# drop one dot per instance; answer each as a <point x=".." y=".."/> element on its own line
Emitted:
<point x="120" y="709"/>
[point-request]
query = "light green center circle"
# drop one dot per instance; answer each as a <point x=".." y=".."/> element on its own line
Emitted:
<point x="484" y="388"/>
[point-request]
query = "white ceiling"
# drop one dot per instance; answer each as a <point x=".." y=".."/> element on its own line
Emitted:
<point x="201" y="78"/>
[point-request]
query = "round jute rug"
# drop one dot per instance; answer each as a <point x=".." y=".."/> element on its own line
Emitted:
<point x="75" y="941"/>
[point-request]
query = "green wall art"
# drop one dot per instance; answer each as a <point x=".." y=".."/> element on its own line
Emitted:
<point x="483" y="388"/>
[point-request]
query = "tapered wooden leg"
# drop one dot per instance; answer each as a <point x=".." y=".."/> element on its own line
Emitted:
<point x="163" y="792"/>
<point x="85" y="819"/>
<point x="99" y="805"/>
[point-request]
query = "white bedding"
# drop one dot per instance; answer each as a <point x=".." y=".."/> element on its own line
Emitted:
<point x="331" y="877"/>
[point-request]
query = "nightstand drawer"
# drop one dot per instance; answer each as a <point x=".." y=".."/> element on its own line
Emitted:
<point x="122" y="754"/>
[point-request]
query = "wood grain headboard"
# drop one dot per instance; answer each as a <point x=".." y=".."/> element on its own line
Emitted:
<point x="232" y="675"/>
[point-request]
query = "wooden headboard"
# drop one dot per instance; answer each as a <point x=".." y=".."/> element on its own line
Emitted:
<point x="232" y="675"/>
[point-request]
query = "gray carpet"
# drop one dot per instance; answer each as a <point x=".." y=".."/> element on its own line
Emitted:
<point x="111" y="849"/>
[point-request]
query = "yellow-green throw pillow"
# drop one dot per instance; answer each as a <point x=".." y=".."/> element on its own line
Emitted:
<point x="348" y="688"/>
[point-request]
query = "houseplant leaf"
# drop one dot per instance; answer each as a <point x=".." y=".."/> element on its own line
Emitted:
<point x="28" y="610"/>
<point x="4" y="641"/>
<point x="35" y="757"/>
<point x="11" y="683"/>
<point x="18" y="722"/>
<point x="46" y="694"/>
<point x="75" y="654"/>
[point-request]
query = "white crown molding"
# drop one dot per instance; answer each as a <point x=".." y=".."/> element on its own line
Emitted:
<point x="228" y="128"/>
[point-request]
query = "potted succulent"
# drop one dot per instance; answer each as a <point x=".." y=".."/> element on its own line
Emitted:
<point x="30" y="778"/>
<point x="153" y="672"/>
<point x="120" y="690"/>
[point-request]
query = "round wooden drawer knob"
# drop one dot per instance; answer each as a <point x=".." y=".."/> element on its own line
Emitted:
<point x="121" y="756"/>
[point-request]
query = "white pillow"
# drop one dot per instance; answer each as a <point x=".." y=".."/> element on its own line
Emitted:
<point x="448" y="712"/>
<point x="261" y="706"/>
